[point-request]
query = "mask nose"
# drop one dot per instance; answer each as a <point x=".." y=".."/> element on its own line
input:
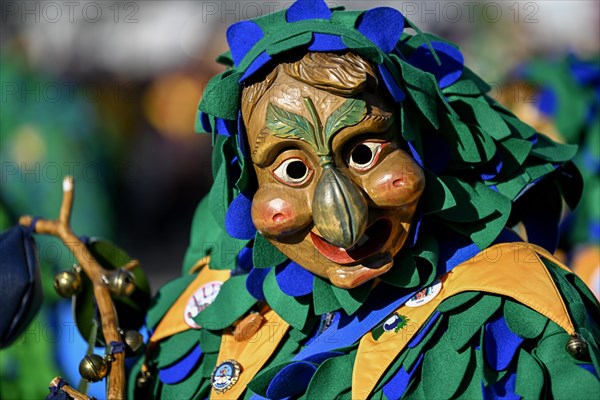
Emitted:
<point x="340" y="210"/>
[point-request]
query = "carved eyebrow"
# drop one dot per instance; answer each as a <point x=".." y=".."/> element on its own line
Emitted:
<point x="383" y="120"/>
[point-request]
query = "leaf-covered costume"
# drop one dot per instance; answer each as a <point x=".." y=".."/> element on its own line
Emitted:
<point x="486" y="327"/>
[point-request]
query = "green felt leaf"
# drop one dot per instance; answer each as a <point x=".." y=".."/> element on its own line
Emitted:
<point x="530" y="377"/>
<point x="231" y="303"/>
<point x="204" y="235"/>
<point x="261" y="381"/>
<point x="220" y="196"/>
<point x="290" y="43"/>
<point x="470" y="387"/>
<point x="209" y="363"/>
<point x="223" y="99"/>
<point x="474" y="200"/>
<point x="409" y="122"/>
<point x="427" y="249"/>
<point x="285" y="124"/>
<point x="477" y="110"/>
<point x="164" y="299"/>
<point x="324" y="299"/>
<point x="293" y="309"/>
<point x="184" y="389"/>
<point x="458" y="300"/>
<point x="352" y="299"/>
<point x="422" y="89"/>
<point x="173" y="348"/>
<point x="412" y="355"/>
<point x="466" y="321"/>
<point x="210" y="341"/>
<point x="439" y="380"/>
<point x="404" y="273"/>
<point x="513" y="153"/>
<point x="562" y="369"/>
<point x="518" y="128"/>
<point x="522" y="320"/>
<point x="333" y="377"/>
<point x="469" y="84"/>
<point x="350" y="113"/>
<point x="462" y="139"/>
<point x="223" y="253"/>
<point x="548" y="150"/>
<point x="264" y="254"/>
<point x="437" y="195"/>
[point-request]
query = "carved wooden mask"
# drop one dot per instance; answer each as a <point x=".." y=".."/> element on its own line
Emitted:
<point x="336" y="194"/>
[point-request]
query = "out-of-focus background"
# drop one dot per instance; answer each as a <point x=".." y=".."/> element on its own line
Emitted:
<point x="107" y="91"/>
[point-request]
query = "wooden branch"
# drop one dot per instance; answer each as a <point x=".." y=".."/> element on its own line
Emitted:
<point x="69" y="390"/>
<point x="61" y="228"/>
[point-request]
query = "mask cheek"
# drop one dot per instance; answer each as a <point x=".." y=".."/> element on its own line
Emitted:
<point x="396" y="182"/>
<point x="277" y="213"/>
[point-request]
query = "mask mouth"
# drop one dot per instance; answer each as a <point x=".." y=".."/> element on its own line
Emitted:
<point x="372" y="241"/>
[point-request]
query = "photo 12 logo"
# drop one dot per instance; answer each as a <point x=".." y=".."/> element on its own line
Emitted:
<point x="52" y="12"/>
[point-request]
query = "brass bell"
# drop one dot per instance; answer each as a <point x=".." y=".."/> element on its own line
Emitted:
<point x="93" y="368"/>
<point x="143" y="379"/>
<point x="121" y="283"/>
<point x="134" y="342"/>
<point x="67" y="283"/>
<point x="577" y="348"/>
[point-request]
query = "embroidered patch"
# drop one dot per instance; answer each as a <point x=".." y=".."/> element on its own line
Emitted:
<point x="225" y="375"/>
<point x="425" y="295"/>
<point x="395" y="323"/>
<point x="201" y="299"/>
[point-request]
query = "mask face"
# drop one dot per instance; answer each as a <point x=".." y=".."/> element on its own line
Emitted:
<point x="336" y="194"/>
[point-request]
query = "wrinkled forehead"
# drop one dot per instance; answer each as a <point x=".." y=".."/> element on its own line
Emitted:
<point x="288" y="93"/>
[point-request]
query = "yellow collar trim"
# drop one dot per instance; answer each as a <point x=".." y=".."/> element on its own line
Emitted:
<point x="252" y="353"/>
<point x="513" y="270"/>
<point x="173" y="322"/>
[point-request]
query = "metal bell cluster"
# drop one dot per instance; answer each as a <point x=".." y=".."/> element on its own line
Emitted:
<point x="68" y="283"/>
<point x="121" y="283"/>
<point x="93" y="368"/>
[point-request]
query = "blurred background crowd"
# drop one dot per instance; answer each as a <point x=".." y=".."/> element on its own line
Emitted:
<point x="107" y="91"/>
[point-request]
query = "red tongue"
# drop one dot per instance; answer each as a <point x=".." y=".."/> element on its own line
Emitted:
<point x="378" y="234"/>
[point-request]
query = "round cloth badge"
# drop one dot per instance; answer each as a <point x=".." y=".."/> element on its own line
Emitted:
<point x="425" y="295"/>
<point x="201" y="299"/>
<point x="225" y="375"/>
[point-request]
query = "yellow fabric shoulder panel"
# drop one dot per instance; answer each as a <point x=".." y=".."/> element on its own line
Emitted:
<point x="514" y="270"/>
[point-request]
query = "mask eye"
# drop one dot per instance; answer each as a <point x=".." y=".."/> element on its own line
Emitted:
<point x="292" y="171"/>
<point x="365" y="155"/>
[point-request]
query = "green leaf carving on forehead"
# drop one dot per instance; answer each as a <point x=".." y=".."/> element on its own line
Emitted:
<point x="285" y="124"/>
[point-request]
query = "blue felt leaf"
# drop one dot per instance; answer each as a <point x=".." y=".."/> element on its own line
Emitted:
<point x="396" y="386"/>
<point x="424" y="330"/>
<point x="244" y="259"/>
<point x="503" y="389"/>
<point x="320" y="357"/>
<point x="452" y="62"/>
<point x="242" y="36"/>
<point x="291" y="380"/>
<point x="326" y="42"/>
<point x="294" y="280"/>
<point x="501" y="344"/>
<point x="395" y="90"/>
<point x="238" y="219"/>
<point x="257" y="64"/>
<point x="547" y="101"/>
<point x="307" y="9"/>
<point x="222" y="127"/>
<point x="492" y="168"/>
<point x="383" y="26"/>
<point x="415" y="154"/>
<point x="254" y="282"/>
<point x="180" y="370"/>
